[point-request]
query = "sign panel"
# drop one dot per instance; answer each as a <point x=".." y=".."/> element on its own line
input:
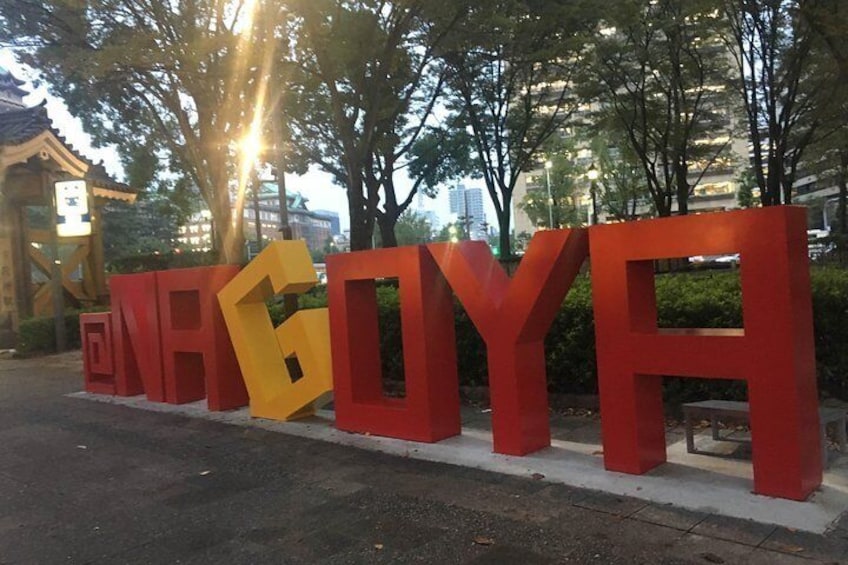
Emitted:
<point x="72" y="216"/>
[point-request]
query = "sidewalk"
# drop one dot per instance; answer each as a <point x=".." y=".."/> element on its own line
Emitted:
<point x="94" y="482"/>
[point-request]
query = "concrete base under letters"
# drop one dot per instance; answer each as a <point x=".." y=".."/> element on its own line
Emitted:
<point x="695" y="482"/>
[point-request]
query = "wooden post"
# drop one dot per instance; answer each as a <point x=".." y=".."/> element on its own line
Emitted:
<point x="98" y="262"/>
<point x="57" y="292"/>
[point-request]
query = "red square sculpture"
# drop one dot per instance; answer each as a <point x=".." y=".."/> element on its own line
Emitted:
<point x="97" y="354"/>
<point x="135" y="331"/>
<point x="430" y="410"/>
<point x="773" y="353"/>
<point x="513" y="317"/>
<point x="197" y="354"/>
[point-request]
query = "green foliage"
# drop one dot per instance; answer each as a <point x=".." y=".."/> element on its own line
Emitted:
<point x="686" y="300"/>
<point x="509" y="67"/>
<point x="747" y="184"/>
<point x="660" y="76"/>
<point x="441" y="155"/>
<point x="413" y="229"/>
<point x="172" y="84"/>
<point x="560" y="179"/>
<point x="161" y="262"/>
<point x="37" y="336"/>
<point x="830" y="307"/>
<point x="148" y="226"/>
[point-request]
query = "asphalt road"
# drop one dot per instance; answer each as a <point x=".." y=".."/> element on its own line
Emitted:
<point x="88" y="482"/>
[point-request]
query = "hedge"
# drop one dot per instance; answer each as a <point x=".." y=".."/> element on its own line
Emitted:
<point x="38" y="335"/>
<point x="707" y="299"/>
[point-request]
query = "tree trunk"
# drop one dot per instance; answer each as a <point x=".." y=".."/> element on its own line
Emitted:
<point x="682" y="192"/>
<point x="361" y="225"/>
<point x="229" y="239"/>
<point x="842" y="210"/>
<point x="386" y="223"/>
<point x="504" y="242"/>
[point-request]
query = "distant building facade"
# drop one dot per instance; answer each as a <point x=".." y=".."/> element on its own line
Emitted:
<point x="467" y="205"/>
<point x="313" y="227"/>
<point x="335" y="222"/>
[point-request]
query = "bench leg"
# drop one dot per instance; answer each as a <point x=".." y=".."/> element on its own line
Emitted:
<point x="714" y="426"/>
<point x="824" y="444"/>
<point x="841" y="435"/>
<point x="690" y="438"/>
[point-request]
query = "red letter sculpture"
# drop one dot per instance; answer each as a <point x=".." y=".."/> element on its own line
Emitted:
<point x="430" y="411"/>
<point x="198" y="357"/>
<point x="135" y="331"/>
<point x="513" y="318"/>
<point x="773" y="353"/>
<point x="97" y="354"/>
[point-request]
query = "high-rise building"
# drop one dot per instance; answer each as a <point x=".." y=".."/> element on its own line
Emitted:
<point x="467" y="204"/>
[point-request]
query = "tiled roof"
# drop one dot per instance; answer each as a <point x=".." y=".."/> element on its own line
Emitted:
<point x="19" y="126"/>
<point x="7" y="74"/>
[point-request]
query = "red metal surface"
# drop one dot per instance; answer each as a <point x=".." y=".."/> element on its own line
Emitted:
<point x="97" y="359"/>
<point x="774" y="353"/>
<point x="430" y="410"/>
<point x="513" y="317"/>
<point x="197" y="354"/>
<point x="135" y="331"/>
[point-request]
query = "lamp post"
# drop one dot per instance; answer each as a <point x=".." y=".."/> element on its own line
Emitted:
<point x="548" y="166"/>
<point x="592" y="173"/>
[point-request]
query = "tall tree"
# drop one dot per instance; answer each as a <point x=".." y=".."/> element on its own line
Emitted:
<point x="783" y="93"/>
<point x="366" y="82"/>
<point x="561" y="180"/>
<point x="661" y="75"/>
<point x="511" y="64"/>
<point x="624" y="188"/>
<point x="413" y="229"/>
<point x="189" y="78"/>
<point x="828" y="19"/>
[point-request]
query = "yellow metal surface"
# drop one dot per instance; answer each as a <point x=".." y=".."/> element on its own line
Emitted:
<point x="284" y="267"/>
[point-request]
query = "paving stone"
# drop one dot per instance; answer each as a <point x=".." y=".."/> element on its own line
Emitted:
<point x="693" y="548"/>
<point x="507" y="554"/>
<point x="670" y="516"/>
<point x="611" y="504"/>
<point x="808" y="545"/>
<point x="762" y="556"/>
<point x="733" y="529"/>
<point x="140" y="493"/>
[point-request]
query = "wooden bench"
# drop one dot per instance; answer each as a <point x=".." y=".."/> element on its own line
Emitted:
<point x="723" y="410"/>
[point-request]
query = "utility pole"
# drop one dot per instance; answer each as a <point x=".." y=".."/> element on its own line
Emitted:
<point x="257" y="216"/>
<point x="548" y="166"/>
<point x="289" y="300"/>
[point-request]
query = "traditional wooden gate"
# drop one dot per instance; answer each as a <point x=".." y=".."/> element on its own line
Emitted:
<point x="33" y="156"/>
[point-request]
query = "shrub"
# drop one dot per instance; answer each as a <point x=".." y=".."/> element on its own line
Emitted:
<point x="38" y="335"/>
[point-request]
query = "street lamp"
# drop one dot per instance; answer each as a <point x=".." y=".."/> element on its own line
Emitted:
<point x="592" y="173"/>
<point x="548" y="166"/>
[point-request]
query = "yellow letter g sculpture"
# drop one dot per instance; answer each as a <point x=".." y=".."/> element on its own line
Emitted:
<point x="284" y="267"/>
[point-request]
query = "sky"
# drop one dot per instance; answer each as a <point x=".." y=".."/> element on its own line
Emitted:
<point x="315" y="185"/>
